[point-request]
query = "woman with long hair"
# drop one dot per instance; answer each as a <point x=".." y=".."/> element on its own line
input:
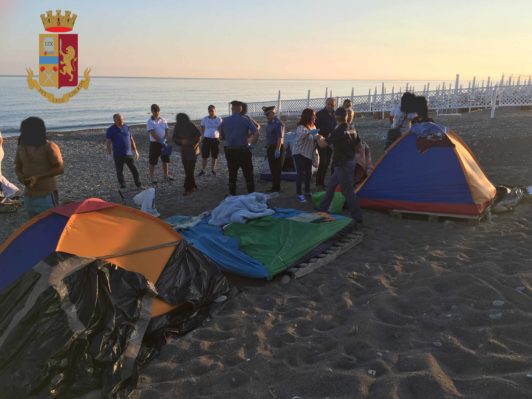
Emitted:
<point x="37" y="162"/>
<point x="303" y="151"/>
<point x="187" y="136"/>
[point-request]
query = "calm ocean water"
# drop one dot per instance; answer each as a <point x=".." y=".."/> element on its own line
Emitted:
<point x="133" y="97"/>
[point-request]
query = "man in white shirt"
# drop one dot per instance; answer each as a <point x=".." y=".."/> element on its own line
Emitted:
<point x="158" y="131"/>
<point x="211" y="140"/>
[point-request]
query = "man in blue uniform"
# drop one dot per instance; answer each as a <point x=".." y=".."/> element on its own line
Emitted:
<point x="274" y="147"/>
<point x="239" y="135"/>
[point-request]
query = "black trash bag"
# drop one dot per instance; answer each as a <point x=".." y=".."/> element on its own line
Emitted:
<point x="73" y="338"/>
<point x="191" y="281"/>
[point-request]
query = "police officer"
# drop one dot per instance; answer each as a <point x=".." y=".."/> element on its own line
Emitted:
<point x="239" y="135"/>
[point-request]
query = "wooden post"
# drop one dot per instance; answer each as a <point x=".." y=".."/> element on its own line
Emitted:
<point x="488" y="83"/>
<point x="406" y="89"/>
<point x="457" y="83"/>
<point x="279" y="103"/>
<point x="308" y="98"/>
<point x="326" y="93"/>
<point x="509" y="80"/>
<point x="502" y="80"/>
<point x="353" y="97"/>
<point x="369" y="100"/>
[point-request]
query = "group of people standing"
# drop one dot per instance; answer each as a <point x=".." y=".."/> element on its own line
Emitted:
<point x="328" y="133"/>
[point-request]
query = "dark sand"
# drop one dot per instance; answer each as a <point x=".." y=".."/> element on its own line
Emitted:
<point x="418" y="310"/>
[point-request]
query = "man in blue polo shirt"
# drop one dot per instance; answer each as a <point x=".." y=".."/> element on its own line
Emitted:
<point x="121" y="145"/>
<point x="274" y="146"/>
<point x="239" y="135"/>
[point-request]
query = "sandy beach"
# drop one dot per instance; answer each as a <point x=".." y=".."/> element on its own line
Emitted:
<point x="418" y="310"/>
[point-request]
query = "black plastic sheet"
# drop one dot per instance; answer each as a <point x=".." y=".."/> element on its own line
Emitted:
<point x="72" y="325"/>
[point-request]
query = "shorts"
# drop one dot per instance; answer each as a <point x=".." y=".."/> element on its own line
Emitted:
<point x="210" y="146"/>
<point x="36" y="205"/>
<point x="155" y="153"/>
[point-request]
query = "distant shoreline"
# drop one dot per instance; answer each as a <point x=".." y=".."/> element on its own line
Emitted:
<point x="261" y="79"/>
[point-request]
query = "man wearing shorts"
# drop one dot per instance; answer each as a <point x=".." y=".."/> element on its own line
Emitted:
<point x="211" y="140"/>
<point x="158" y="131"/>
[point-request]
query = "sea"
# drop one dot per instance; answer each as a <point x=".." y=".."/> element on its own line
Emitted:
<point x="132" y="97"/>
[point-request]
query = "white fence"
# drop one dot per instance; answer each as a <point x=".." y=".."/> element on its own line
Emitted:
<point x="442" y="100"/>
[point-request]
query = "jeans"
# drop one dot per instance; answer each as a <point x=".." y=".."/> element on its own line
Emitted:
<point x="325" y="159"/>
<point x="304" y="172"/>
<point x="189" y="166"/>
<point x="276" y="166"/>
<point x="36" y="205"/>
<point x="239" y="158"/>
<point x="119" y="166"/>
<point x="343" y="175"/>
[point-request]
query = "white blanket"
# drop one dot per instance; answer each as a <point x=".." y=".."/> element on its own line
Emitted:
<point x="240" y="208"/>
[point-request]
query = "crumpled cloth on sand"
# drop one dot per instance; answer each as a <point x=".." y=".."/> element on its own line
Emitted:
<point x="240" y="208"/>
<point x="8" y="188"/>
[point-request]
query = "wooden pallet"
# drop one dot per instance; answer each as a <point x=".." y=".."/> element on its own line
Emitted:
<point x="437" y="217"/>
<point x="338" y="249"/>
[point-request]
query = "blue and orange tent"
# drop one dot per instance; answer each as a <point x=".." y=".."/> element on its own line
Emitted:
<point x="428" y="170"/>
<point x="93" y="228"/>
<point x="88" y="292"/>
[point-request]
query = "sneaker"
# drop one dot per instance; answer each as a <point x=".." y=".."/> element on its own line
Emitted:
<point x="301" y="198"/>
<point x="202" y="173"/>
<point x="213" y="173"/>
<point x="154" y="182"/>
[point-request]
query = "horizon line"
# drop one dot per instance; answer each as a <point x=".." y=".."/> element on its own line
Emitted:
<point x="221" y="78"/>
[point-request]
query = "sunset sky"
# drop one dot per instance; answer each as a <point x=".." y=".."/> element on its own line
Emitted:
<point x="310" y="39"/>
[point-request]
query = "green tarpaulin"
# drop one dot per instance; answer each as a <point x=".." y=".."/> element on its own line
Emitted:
<point x="278" y="243"/>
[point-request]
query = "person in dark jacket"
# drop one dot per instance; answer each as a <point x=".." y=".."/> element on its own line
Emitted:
<point x="345" y="142"/>
<point x="325" y="122"/>
<point x="187" y="136"/>
<point x="274" y="147"/>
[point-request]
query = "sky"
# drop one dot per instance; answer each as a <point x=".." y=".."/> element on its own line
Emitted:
<point x="282" y="39"/>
